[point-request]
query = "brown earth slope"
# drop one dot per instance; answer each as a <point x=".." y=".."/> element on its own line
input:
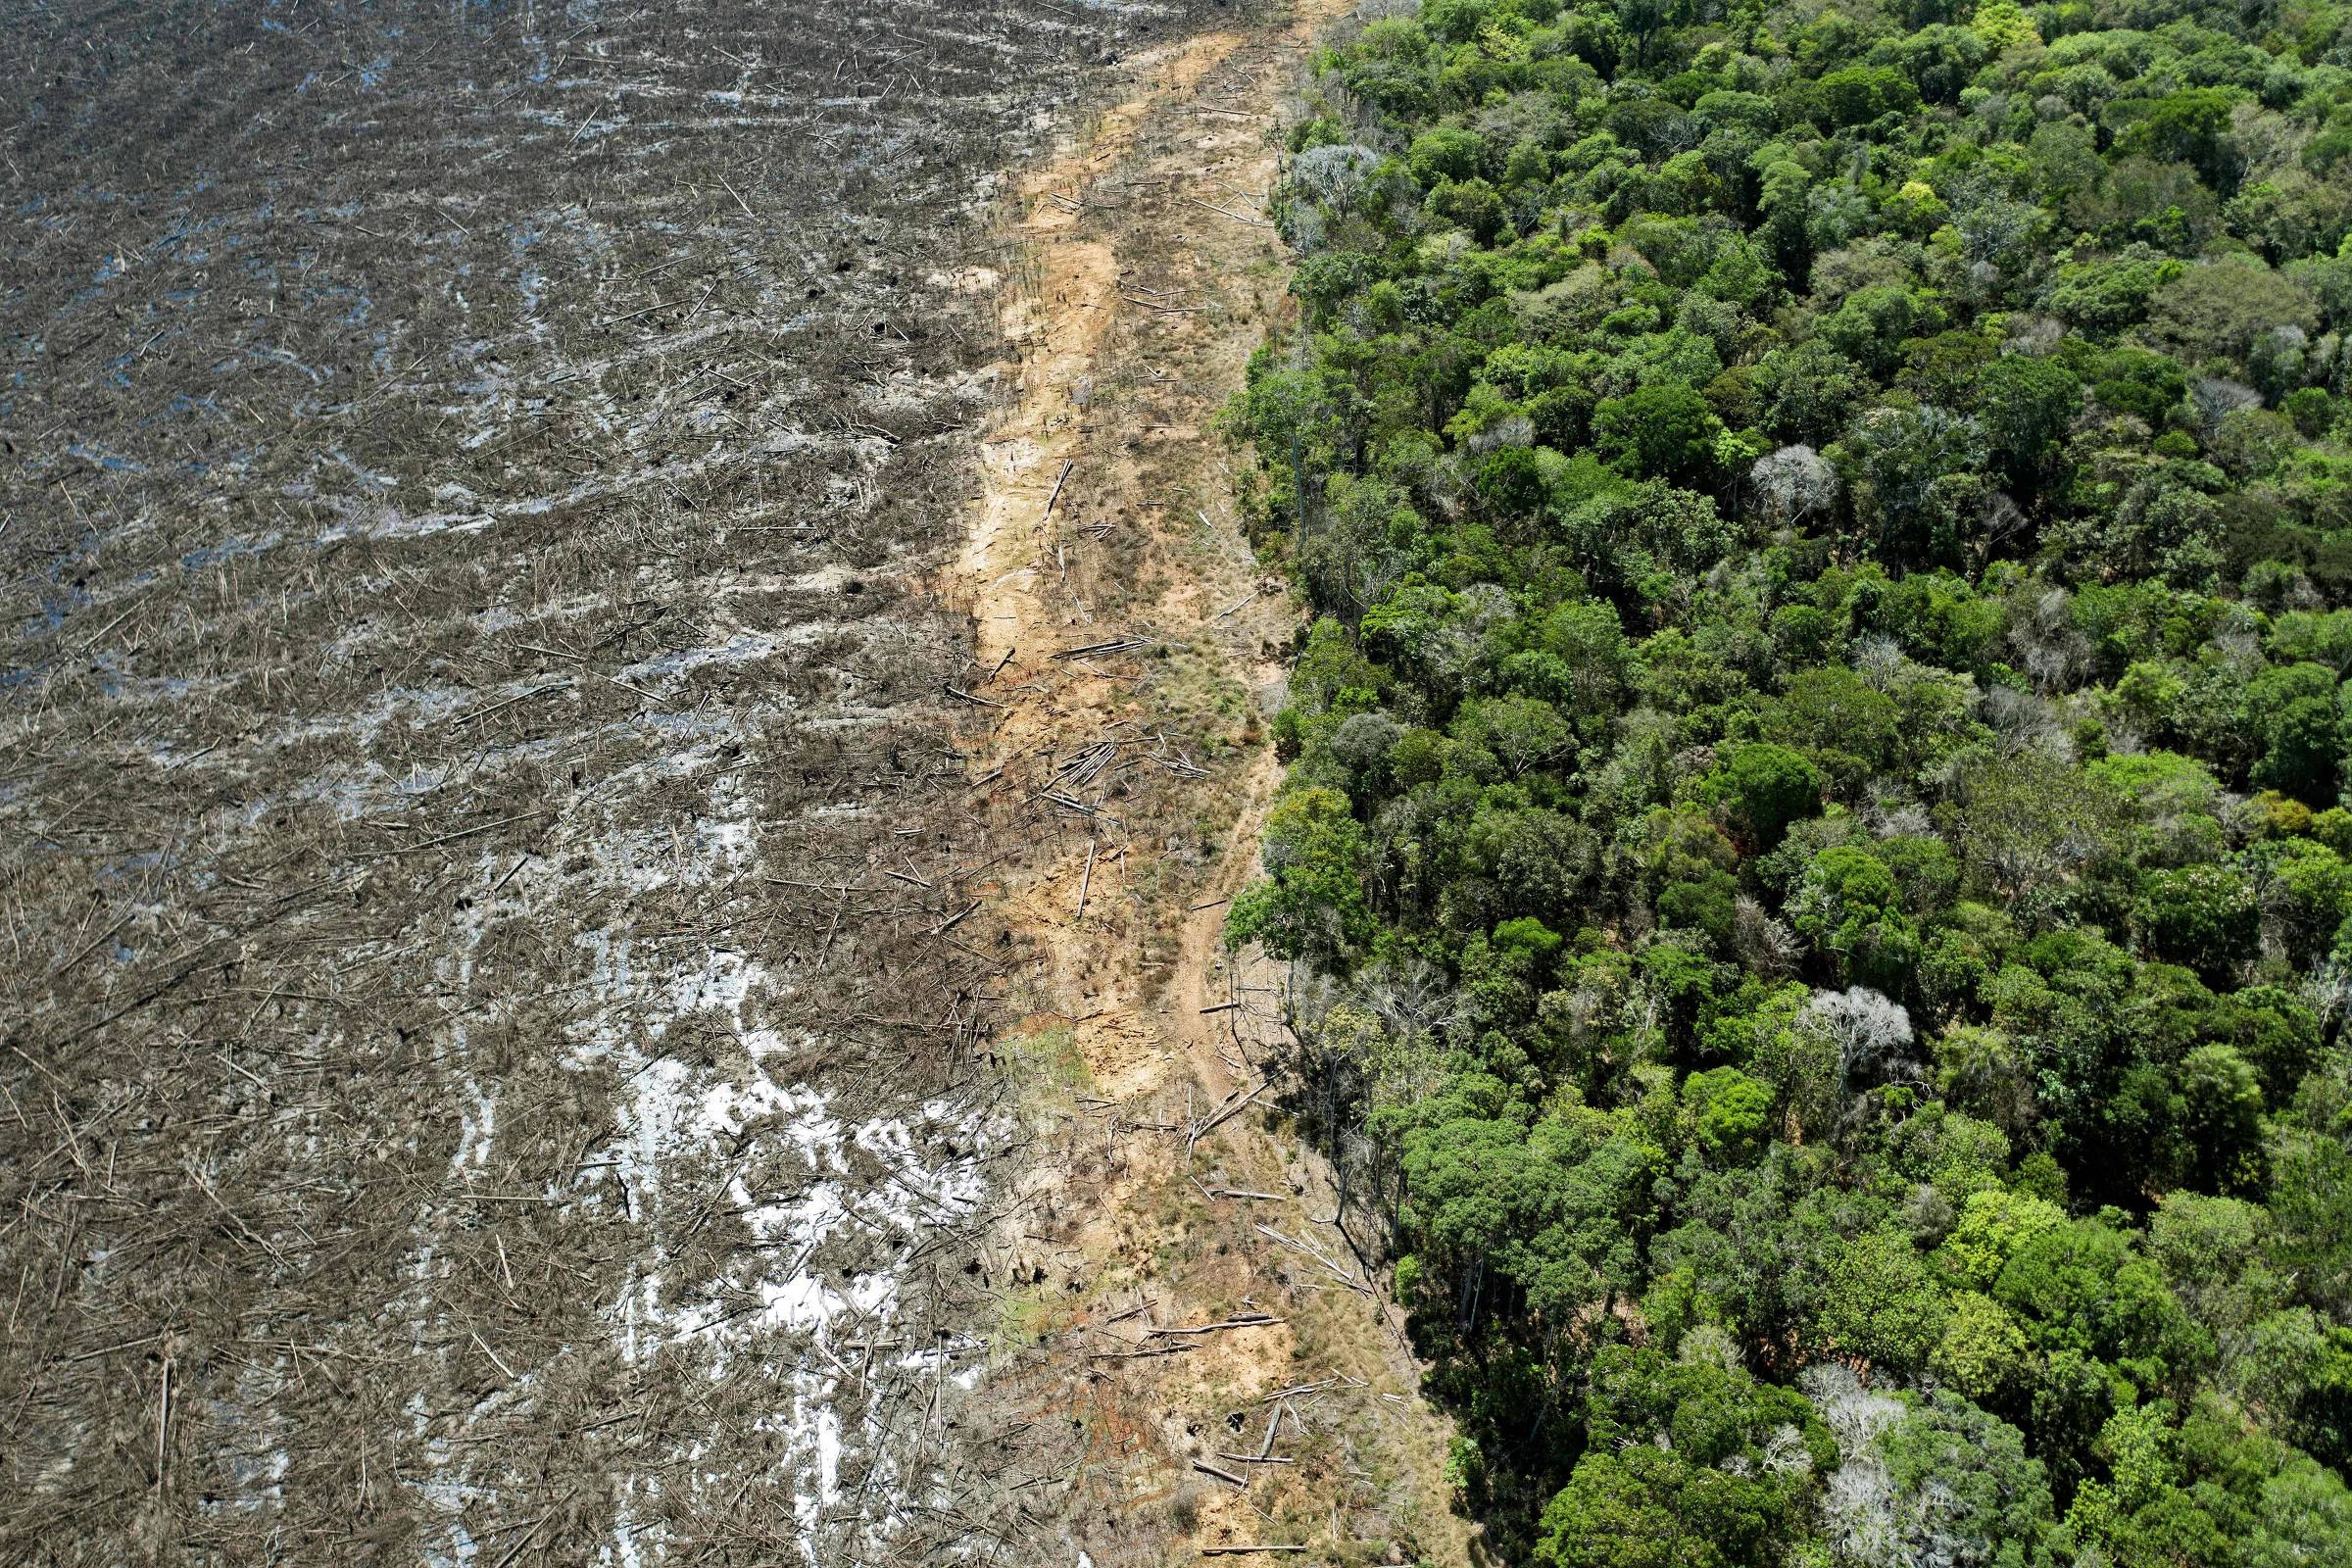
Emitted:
<point x="1189" y="1356"/>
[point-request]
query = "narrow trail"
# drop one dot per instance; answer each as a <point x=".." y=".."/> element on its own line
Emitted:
<point x="1128" y="651"/>
<point x="1014" y="569"/>
<point x="1058" y="318"/>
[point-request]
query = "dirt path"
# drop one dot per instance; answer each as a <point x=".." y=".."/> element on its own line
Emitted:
<point x="1130" y="652"/>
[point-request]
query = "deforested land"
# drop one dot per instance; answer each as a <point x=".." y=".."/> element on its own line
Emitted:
<point x="498" y="981"/>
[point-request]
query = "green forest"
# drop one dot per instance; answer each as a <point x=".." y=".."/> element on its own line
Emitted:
<point x="1814" y="854"/>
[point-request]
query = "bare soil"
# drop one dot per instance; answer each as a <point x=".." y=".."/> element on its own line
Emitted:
<point x="1130" y="653"/>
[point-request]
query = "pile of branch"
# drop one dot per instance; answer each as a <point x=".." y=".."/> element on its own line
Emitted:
<point x="1225" y="1110"/>
<point x="1117" y="645"/>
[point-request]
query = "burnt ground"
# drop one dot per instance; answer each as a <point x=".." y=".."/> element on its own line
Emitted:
<point x="491" y="967"/>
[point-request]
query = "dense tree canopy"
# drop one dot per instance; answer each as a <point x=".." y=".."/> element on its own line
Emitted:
<point x="1817" y="809"/>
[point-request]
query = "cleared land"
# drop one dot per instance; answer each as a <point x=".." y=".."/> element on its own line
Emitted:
<point x="490" y="995"/>
<point x="1190" y="1355"/>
